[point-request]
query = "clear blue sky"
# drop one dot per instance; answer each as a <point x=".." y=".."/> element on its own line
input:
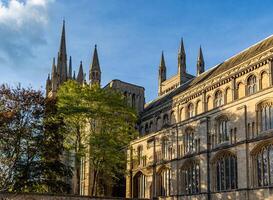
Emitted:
<point x="130" y="35"/>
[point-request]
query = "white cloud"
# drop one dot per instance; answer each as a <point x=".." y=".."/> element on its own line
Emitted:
<point x="22" y="27"/>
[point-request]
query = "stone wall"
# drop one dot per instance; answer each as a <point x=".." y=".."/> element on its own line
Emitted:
<point x="32" y="196"/>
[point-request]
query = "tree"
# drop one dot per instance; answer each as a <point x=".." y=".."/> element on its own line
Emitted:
<point x="102" y="124"/>
<point x="31" y="144"/>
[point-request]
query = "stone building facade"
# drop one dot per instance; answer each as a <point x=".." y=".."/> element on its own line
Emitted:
<point x="62" y="72"/>
<point x="209" y="136"/>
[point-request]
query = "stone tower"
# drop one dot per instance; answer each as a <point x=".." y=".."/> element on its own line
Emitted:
<point x="162" y="73"/>
<point x="200" y="62"/>
<point x="95" y="72"/>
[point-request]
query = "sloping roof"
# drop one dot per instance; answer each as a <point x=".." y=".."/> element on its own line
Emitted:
<point x="218" y="69"/>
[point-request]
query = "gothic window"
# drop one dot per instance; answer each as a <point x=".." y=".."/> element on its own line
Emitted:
<point x="190" y="178"/>
<point x="240" y="90"/>
<point x="151" y="126"/>
<point x="266" y="116"/>
<point x="228" y="95"/>
<point x="173" y="118"/>
<point x="165" y="148"/>
<point x="264" y="80"/>
<point x="158" y="123"/>
<point x="263" y="165"/>
<point x="222" y="130"/>
<point x="189" y="142"/>
<point x="140" y="184"/>
<point x="165" y="182"/>
<point x="251" y="85"/>
<point x="226" y="172"/>
<point x="198" y="107"/>
<point x="190" y="110"/>
<point x="165" y="120"/>
<point x="209" y="103"/>
<point x="218" y="101"/>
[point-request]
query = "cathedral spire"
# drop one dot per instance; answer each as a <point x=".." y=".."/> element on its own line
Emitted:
<point x="70" y="68"/>
<point x="62" y="57"/>
<point x="181" y="62"/>
<point x="161" y="73"/>
<point x="95" y="72"/>
<point x="80" y="77"/>
<point x="200" y="62"/>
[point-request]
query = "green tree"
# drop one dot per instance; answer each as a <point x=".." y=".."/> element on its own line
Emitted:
<point x="29" y="155"/>
<point x="102" y="124"/>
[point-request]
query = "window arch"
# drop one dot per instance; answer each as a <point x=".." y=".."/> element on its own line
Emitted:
<point x="228" y="95"/>
<point x="158" y="123"/>
<point x="263" y="166"/>
<point x="140" y="183"/>
<point x="190" y="110"/>
<point x="151" y="126"/>
<point x="264" y="80"/>
<point x="225" y="176"/>
<point x="198" y="107"/>
<point x="265" y="113"/>
<point x="209" y="103"/>
<point x="222" y="129"/>
<point x="164" y="182"/>
<point x="251" y="85"/>
<point x="218" y="99"/>
<point x="240" y="90"/>
<point x="173" y="120"/>
<point x="189" y="141"/>
<point x="189" y="178"/>
<point x="165" y="120"/>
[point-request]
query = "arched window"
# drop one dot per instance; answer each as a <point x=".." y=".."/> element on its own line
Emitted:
<point x="140" y="183"/>
<point x="190" y="110"/>
<point x="190" y="178"/>
<point x="209" y="103"/>
<point x="151" y="127"/>
<point x="222" y="130"/>
<point x="240" y="90"/>
<point x="225" y="172"/>
<point x="198" y="107"/>
<point x="218" y="99"/>
<point x="164" y="182"/>
<point x="165" y="120"/>
<point x="228" y="95"/>
<point x="251" y="85"/>
<point x="158" y="123"/>
<point x="263" y="166"/>
<point x="173" y="120"/>
<point x="266" y="116"/>
<point x="189" y="142"/>
<point x="264" y="80"/>
<point x="165" y="148"/>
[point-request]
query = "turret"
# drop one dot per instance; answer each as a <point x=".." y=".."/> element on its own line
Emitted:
<point x="200" y="62"/>
<point x="181" y="62"/>
<point x="95" y="72"/>
<point x="162" y="72"/>
<point x="80" y="77"/>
